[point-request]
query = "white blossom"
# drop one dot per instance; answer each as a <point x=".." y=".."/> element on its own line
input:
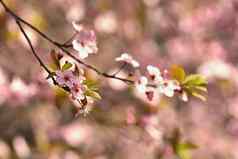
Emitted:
<point x="125" y="57"/>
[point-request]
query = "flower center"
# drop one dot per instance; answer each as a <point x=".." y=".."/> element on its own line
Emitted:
<point x="66" y="78"/>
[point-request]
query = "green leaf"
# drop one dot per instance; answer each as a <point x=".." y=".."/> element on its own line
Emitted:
<point x="195" y="80"/>
<point x="93" y="94"/>
<point x="92" y="85"/>
<point x="201" y="88"/>
<point x="183" y="150"/>
<point x="67" y="66"/>
<point x="198" y="95"/>
<point x="177" y="73"/>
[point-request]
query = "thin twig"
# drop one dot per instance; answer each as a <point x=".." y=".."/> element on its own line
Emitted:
<point x="32" y="48"/>
<point x="66" y="44"/>
<point x="34" y="52"/>
<point x="120" y="69"/>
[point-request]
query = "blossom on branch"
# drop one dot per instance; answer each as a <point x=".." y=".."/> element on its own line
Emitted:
<point x="154" y="73"/>
<point x="84" y="42"/>
<point x="168" y="88"/>
<point x="78" y="90"/>
<point x="125" y="57"/>
<point x="156" y="83"/>
<point x="65" y="78"/>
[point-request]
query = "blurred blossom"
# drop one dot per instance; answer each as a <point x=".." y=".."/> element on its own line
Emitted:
<point x="21" y="147"/>
<point x="3" y="87"/>
<point x="71" y="155"/>
<point x="233" y="108"/>
<point x="106" y="23"/>
<point x="5" y="151"/>
<point x="3" y="77"/>
<point x="76" y="133"/>
<point x="161" y="21"/>
<point x="199" y="35"/>
<point x="199" y="21"/>
<point x="216" y="69"/>
<point x="151" y="3"/>
<point x="216" y="50"/>
<point x="131" y="28"/>
<point x="179" y="48"/>
<point x="151" y="125"/>
<point x="131" y="119"/>
<point x="4" y="93"/>
<point x="20" y="91"/>
<point x="55" y="154"/>
<point x="47" y="115"/>
<point x="76" y="12"/>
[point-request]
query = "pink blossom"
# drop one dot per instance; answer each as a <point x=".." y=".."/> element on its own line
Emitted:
<point x="85" y="41"/>
<point x="19" y="91"/>
<point x="65" y="78"/>
<point x="78" y="90"/>
<point x="76" y="133"/>
<point x="128" y="59"/>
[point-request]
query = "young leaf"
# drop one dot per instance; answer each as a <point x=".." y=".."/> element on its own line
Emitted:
<point x="183" y="150"/>
<point x="67" y="66"/>
<point x="93" y="94"/>
<point x="198" y="95"/>
<point x="55" y="59"/>
<point x="195" y="80"/>
<point x="177" y="73"/>
<point x="92" y="85"/>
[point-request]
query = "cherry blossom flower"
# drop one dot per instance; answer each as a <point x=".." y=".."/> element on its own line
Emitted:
<point x="65" y="78"/>
<point x="74" y="83"/>
<point x="141" y="84"/>
<point x="125" y="57"/>
<point x="168" y="88"/>
<point x="154" y="73"/>
<point x="85" y="41"/>
<point x="150" y="94"/>
<point x="78" y="91"/>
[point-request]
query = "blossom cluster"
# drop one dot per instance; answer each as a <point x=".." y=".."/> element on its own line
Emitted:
<point x="159" y="83"/>
<point x="154" y="81"/>
<point x="72" y="79"/>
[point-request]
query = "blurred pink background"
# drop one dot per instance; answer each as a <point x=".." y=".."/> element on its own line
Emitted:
<point x="36" y="119"/>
